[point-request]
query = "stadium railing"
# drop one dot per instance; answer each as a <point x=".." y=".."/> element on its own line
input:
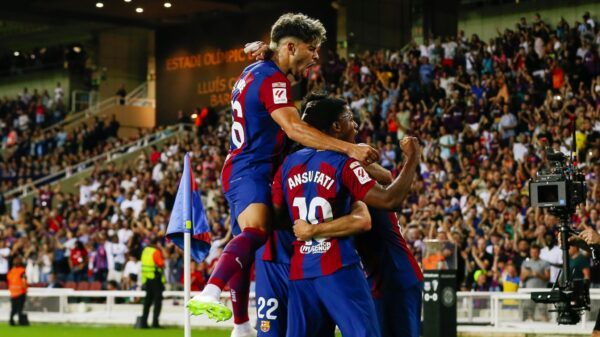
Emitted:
<point x="476" y="311"/>
<point x="145" y="142"/>
<point x="137" y="97"/>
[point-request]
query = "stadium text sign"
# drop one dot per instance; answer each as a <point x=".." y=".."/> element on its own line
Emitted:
<point x="197" y="63"/>
<point x="213" y="91"/>
<point x="207" y="59"/>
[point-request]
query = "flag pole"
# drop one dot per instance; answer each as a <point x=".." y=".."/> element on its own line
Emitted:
<point x="187" y="252"/>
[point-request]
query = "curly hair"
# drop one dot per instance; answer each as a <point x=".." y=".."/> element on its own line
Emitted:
<point x="299" y="26"/>
<point x="321" y="111"/>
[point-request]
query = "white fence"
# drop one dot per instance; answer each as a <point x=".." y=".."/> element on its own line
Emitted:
<point x="476" y="311"/>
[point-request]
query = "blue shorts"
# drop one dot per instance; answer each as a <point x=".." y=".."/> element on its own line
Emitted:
<point x="342" y="298"/>
<point x="245" y="191"/>
<point x="399" y="310"/>
<point x="271" y="297"/>
<point x="272" y="282"/>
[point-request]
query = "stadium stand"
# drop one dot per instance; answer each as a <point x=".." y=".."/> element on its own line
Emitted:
<point x="484" y="111"/>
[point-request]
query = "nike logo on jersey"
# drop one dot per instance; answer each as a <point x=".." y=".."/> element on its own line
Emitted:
<point x="237" y="259"/>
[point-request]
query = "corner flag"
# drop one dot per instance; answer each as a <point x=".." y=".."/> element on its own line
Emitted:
<point x="188" y="216"/>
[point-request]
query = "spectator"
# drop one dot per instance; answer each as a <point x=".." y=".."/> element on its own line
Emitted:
<point x="78" y="262"/>
<point x="4" y="256"/>
<point x="552" y="254"/>
<point x="122" y="93"/>
<point x="579" y="264"/>
<point x="52" y="282"/>
<point x="535" y="273"/>
<point x="59" y="93"/>
<point x="131" y="273"/>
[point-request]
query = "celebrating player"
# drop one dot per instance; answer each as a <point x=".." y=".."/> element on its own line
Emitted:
<point x="263" y="114"/>
<point x="394" y="276"/>
<point x="318" y="186"/>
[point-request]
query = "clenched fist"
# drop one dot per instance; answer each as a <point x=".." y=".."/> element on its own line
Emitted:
<point x="410" y="146"/>
<point x="303" y="230"/>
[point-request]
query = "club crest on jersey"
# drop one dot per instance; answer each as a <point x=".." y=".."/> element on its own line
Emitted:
<point x="360" y="173"/>
<point x="280" y="95"/>
<point x="265" y="326"/>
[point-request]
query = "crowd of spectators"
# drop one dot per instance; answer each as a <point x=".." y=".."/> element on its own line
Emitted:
<point x="98" y="234"/>
<point x="483" y="111"/>
<point x="34" y="146"/>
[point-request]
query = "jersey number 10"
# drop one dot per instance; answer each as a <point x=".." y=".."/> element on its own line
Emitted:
<point x="310" y="214"/>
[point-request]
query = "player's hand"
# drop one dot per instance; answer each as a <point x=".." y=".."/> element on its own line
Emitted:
<point x="257" y="49"/>
<point x="410" y="146"/>
<point x="303" y="230"/>
<point x="590" y="236"/>
<point x="364" y="154"/>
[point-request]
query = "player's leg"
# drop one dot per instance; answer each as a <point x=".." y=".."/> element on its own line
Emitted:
<point x="305" y="309"/>
<point x="250" y="204"/>
<point x="271" y="298"/>
<point x="348" y="300"/>
<point x="240" y="289"/>
<point x="239" y="253"/>
<point x="402" y="311"/>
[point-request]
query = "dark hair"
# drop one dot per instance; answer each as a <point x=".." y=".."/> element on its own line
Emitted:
<point x="321" y="111"/>
<point x="299" y="26"/>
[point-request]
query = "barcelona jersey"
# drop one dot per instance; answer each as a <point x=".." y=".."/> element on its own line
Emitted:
<point x="256" y="141"/>
<point x="318" y="186"/>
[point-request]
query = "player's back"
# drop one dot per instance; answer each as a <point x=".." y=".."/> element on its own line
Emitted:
<point x="385" y="253"/>
<point x="315" y="191"/>
<point x="256" y="141"/>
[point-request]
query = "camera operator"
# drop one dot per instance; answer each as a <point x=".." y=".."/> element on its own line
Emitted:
<point x="587" y="238"/>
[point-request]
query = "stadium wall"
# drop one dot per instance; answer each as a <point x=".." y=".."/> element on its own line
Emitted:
<point x="375" y="24"/>
<point x="484" y="21"/>
<point x="197" y="64"/>
<point x="124" y="54"/>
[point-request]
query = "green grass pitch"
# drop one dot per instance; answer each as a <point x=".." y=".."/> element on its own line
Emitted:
<point x="49" y="330"/>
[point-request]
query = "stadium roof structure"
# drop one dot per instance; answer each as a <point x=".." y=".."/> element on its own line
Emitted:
<point x="119" y="12"/>
<point x="33" y="22"/>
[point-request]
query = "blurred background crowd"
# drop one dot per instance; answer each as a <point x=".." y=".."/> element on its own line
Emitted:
<point x="484" y="112"/>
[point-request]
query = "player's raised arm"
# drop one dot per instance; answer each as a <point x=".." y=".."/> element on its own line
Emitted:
<point x="295" y="42"/>
<point x="301" y="132"/>
<point x="392" y="196"/>
<point x="358" y="221"/>
<point x="380" y="174"/>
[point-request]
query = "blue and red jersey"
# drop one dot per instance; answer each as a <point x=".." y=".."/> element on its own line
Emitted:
<point x="385" y="253"/>
<point x="257" y="141"/>
<point x="278" y="247"/>
<point x="318" y="186"/>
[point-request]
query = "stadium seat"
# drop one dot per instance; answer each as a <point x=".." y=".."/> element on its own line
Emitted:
<point x="71" y="285"/>
<point x="96" y="285"/>
<point x="83" y="285"/>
